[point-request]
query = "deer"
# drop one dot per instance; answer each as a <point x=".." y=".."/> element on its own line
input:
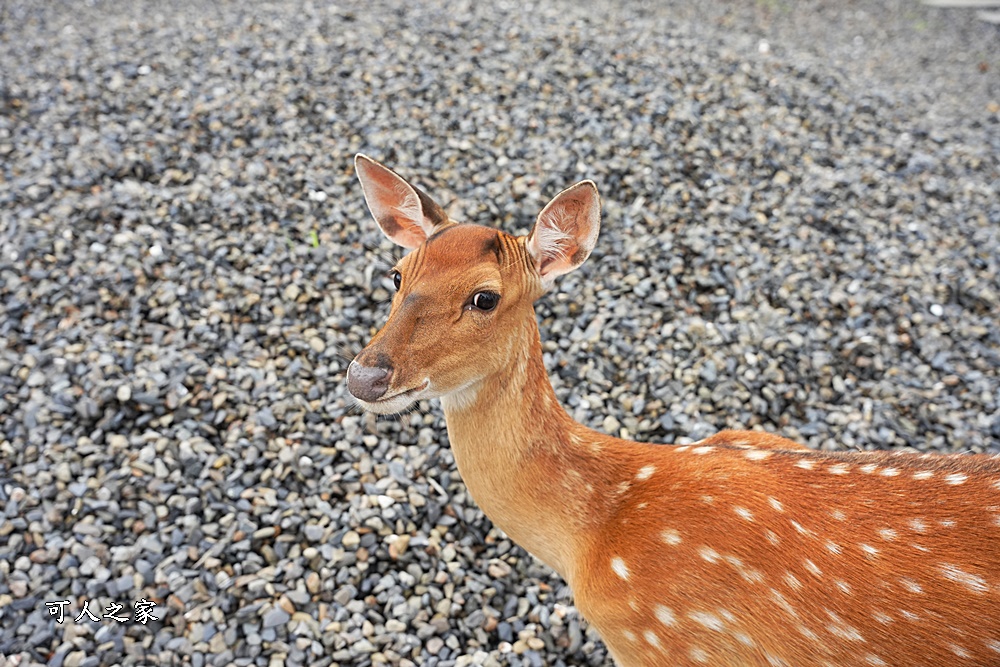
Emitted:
<point x="744" y="548"/>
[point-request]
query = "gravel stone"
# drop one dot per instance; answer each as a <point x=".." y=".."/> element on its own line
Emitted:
<point x="275" y="617"/>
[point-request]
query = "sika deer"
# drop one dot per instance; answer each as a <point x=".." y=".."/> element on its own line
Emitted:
<point x="744" y="549"/>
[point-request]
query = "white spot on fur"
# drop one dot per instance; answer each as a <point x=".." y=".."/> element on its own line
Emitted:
<point x="956" y="478"/>
<point x="845" y="632"/>
<point x="757" y="454"/>
<point x="808" y="634"/>
<point x="869" y="468"/>
<point x="618" y="565"/>
<point x="923" y="474"/>
<point x="645" y="472"/>
<point x="698" y="655"/>
<point x="909" y="615"/>
<point x="911" y="585"/>
<point x="973" y="582"/>
<point x="776" y="504"/>
<point x="651" y="637"/>
<point x="708" y="554"/>
<point x="869" y="550"/>
<point x="947" y="523"/>
<point x="874" y="660"/>
<point x="710" y="621"/>
<point x="801" y="529"/>
<point x="735" y="562"/>
<point x="792" y="581"/>
<point x="772" y="537"/>
<point x="993" y="645"/>
<point x="838" y="515"/>
<point x="708" y="500"/>
<point x="805" y="464"/>
<point x="843" y="586"/>
<point x="704" y="449"/>
<point x="752" y="575"/>
<point x="664" y="615"/>
<point x="629" y="635"/>
<point x="888" y="534"/>
<point x="959" y="651"/>
<point x="671" y="537"/>
<point x="743" y="638"/>
<point x="918" y="525"/>
<point x="812" y="567"/>
<point x="783" y="603"/>
<point x="682" y="448"/>
<point x="839" y="469"/>
<point x="890" y="472"/>
<point x="833" y="548"/>
<point x="882" y="617"/>
<point x="744" y="513"/>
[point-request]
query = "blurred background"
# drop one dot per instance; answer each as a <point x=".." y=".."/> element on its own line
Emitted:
<point x="800" y="235"/>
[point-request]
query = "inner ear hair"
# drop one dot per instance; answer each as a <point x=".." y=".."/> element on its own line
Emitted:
<point x="431" y="209"/>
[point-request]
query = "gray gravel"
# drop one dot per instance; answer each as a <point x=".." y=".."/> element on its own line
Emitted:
<point x="801" y="234"/>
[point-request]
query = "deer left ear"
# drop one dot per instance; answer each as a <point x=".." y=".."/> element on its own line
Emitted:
<point x="404" y="213"/>
<point x="566" y="231"/>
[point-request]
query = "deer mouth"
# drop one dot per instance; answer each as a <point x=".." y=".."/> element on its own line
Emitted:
<point x="399" y="401"/>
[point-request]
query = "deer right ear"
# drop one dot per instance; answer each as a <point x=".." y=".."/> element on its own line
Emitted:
<point x="404" y="213"/>
<point x="566" y="231"/>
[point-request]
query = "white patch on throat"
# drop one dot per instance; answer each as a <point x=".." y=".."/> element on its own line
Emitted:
<point x="461" y="399"/>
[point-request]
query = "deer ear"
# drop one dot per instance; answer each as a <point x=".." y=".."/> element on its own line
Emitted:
<point x="565" y="231"/>
<point x="404" y="213"/>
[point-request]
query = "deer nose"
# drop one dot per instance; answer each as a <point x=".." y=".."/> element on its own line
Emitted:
<point x="368" y="383"/>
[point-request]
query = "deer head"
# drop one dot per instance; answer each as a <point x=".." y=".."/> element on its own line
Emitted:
<point x="464" y="292"/>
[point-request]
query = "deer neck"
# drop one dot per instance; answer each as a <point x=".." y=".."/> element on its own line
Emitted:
<point x="522" y="457"/>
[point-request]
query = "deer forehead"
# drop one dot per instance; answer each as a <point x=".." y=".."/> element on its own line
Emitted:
<point x="467" y="254"/>
<point x="461" y="243"/>
<point x="468" y="245"/>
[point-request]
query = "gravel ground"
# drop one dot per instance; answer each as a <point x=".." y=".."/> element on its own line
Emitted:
<point x="801" y="234"/>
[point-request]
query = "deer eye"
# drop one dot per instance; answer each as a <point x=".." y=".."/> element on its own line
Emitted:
<point x="397" y="279"/>
<point x="485" y="301"/>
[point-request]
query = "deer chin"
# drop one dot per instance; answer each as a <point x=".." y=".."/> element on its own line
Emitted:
<point x="398" y="401"/>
